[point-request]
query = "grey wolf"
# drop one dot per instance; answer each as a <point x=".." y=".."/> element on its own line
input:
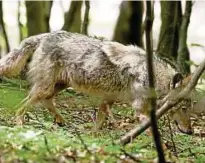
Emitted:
<point x="93" y="66"/>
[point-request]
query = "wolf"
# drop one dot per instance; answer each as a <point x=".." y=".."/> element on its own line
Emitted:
<point x="103" y="68"/>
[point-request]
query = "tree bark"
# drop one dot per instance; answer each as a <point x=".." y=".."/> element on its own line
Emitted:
<point x="128" y="28"/>
<point x="152" y="98"/>
<point x="183" y="52"/>
<point x="171" y="14"/>
<point x="35" y="17"/>
<point x="86" y="18"/>
<point x="3" y="28"/>
<point x="48" y="7"/>
<point x="73" y="17"/>
<point x="19" y="23"/>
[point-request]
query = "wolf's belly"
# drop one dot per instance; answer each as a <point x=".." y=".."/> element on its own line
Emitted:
<point x="101" y="81"/>
<point x="92" y="89"/>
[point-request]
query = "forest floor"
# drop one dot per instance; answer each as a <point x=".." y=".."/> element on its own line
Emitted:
<point x="39" y="140"/>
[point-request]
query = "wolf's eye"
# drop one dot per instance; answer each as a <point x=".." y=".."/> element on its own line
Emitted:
<point x="184" y="108"/>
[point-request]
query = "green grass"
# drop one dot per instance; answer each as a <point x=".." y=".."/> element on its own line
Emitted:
<point x="41" y="141"/>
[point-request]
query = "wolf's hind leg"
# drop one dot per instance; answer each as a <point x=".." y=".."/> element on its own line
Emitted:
<point x="103" y="111"/>
<point x="38" y="93"/>
<point x="48" y="103"/>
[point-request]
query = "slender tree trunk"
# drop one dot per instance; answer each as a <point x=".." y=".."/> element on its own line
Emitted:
<point x="3" y="28"/>
<point x="36" y="17"/>
<point x="171" y="14"/>
<point x="86" y="18"/>
<point x="20" y="25"/>
<point x="73" y="17"/>
<point x="183" y="52"/>
<point x="128" y="29"/>
<point x="152" y="98"/>
<point x="48" y="6"/>
<point x="136" y="23"/>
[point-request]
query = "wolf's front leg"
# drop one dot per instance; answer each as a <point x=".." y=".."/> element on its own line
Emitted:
<point x="57" y="117"/>
<point x="19" y="117"/>
<point x="141" y="107"/>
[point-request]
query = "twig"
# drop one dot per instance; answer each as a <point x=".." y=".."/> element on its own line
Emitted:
<point x="82" y="141"/>
<point x="46" y="143"/>
<point x="166" y="106"/>
<point x="183" y="52"/>
<point x="191" y="153"/>
<point x="172" y="136"/>
<point x="152" y="98"/>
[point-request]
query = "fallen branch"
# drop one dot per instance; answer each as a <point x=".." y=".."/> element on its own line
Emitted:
<point x="165" y="107"/>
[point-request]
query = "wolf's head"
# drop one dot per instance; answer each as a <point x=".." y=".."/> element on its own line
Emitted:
<point x="180" y="113"/>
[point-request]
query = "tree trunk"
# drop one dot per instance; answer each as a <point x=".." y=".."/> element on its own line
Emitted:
<point x="128" y="29"/>
<point x="20" y="25"/>
<point x="171" y="14"/>
<point x="86" y="18"/>
<point x="3" y="28"/>
<point x="73" y="17"/>
<point x="36" y="17"/>
<point x="48" y="7"/>
<point x="183" y="52"/>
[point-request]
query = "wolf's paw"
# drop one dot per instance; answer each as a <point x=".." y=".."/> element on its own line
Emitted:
<point x="19" y="120"/>
<point x="140" y="118"/>
<point x="95" y="132"/>
<point x="59" y="121"/>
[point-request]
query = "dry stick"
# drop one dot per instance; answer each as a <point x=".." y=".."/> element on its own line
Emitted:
<point x="152" y="94"/>
<point x="166" y="106"/>
<point x="82" y="141"/>
<point x="86" y="18"/>
<point x="46" y="144"/>
<point x="172" y="136"/>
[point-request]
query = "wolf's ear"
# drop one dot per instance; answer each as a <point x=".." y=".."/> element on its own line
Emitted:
<point x="176" y="81"/>
<point x="114" y="49"/>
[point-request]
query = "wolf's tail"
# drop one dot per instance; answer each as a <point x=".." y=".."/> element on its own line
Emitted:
<point x="12" y="63"/>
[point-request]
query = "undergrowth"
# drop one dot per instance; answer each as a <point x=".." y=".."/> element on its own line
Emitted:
<point x="40" y="140"/>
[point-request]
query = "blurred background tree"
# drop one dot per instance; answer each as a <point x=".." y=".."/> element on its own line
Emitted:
<point x="171" y="15"/>
<point x="72" y="22"/>
<point x="3" y="30"/>
<point x="37" y="12"/>
<point x="129" y="29"/>
<point x="172" y="44"/>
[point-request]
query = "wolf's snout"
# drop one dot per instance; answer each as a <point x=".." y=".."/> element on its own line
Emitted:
<point x="185" y="130"/>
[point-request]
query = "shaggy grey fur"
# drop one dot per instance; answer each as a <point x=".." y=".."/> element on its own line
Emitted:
<point x="97" y="67"/>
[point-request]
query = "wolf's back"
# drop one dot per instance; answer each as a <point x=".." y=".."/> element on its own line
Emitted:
<point x="12" y="63"/>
